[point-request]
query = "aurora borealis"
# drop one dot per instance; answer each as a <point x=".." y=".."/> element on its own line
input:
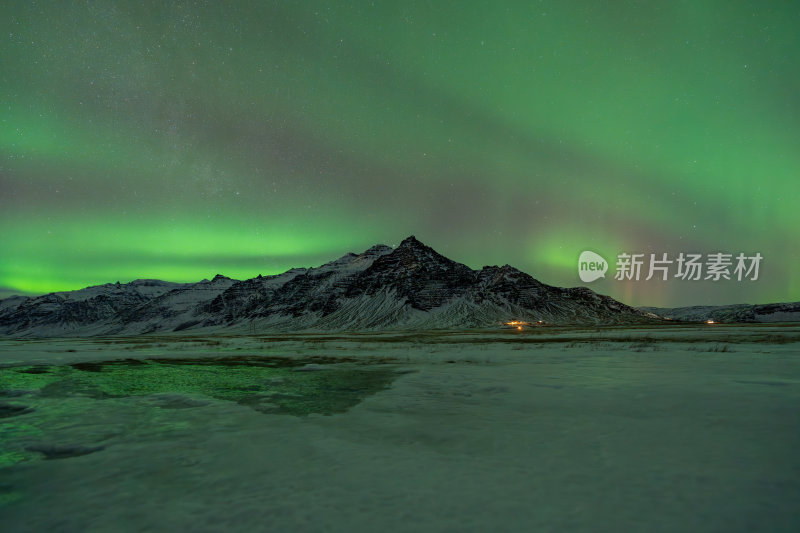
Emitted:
<point x="177" y="140"/>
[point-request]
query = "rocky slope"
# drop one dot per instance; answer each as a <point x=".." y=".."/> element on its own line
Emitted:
<point x="409" y="287"/>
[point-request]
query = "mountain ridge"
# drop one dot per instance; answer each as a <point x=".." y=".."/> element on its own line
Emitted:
<point x="734" y="313"/>
<point x="408" y="287"/>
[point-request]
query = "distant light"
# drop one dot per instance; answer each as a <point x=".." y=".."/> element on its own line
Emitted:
<point x="519" y="328"/>
<point x="517" y="323"/>
<point x="710" y="322"/>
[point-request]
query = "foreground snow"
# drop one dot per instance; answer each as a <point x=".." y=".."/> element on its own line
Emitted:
<point x="670" y="429"/>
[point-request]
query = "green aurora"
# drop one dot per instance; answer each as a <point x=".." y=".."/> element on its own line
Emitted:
<point x="179" y="140"/>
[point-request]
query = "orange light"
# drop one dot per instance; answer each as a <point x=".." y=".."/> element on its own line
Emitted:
<point x="517" y="323"/>
<point x="519" y="328"/>
<point x="710" y="322"/>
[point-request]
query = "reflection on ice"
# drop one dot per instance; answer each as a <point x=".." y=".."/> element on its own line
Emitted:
<point x="41" y="399"/>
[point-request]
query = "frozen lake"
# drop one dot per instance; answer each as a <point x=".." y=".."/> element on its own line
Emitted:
<point x="684" y="428"/>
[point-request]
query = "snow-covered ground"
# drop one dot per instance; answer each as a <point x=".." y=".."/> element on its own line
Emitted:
<point x="639" y="429"/>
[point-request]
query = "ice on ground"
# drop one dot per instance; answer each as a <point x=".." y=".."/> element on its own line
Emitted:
<point x="636" y="429"/>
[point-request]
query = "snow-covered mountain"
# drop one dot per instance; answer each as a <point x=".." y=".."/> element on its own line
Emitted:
<point x="408" y="287"/>
<point x="778" y="312"/>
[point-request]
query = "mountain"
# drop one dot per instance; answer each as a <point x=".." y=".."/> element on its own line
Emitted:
<point x="778" y="312"/>
<point x="408" y="287"/>
<point x="5" y="292"/>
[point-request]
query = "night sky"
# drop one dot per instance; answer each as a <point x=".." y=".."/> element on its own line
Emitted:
<point x="178" y="140"/>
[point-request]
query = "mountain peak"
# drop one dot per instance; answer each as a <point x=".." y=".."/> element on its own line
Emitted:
<point x="411" y="250"/>
<point x="412" y="243"/>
